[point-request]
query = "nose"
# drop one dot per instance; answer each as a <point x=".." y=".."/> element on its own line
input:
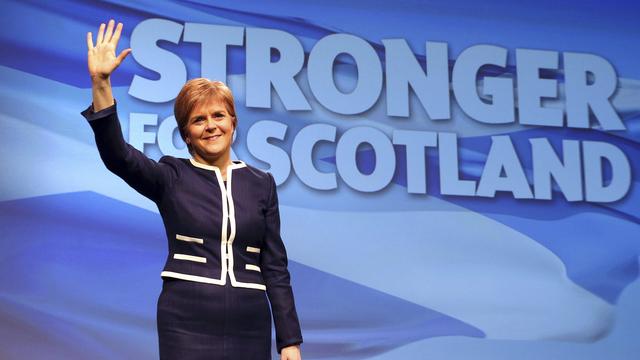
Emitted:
<point x="210" y="124"/>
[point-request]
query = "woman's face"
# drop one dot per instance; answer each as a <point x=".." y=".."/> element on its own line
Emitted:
<point x="210" y="132"/>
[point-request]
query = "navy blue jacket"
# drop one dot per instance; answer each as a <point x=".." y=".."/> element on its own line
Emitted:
<point x="217" y="232"/>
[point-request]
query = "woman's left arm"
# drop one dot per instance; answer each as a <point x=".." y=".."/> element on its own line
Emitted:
<point x="273" y="259"/>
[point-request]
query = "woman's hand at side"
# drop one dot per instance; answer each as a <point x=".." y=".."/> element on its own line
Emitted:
<point x="290" y="353"/>
<point x="102" y="61"/>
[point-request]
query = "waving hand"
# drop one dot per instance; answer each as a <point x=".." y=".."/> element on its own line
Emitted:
<point x="102" y="57"/>
<point x="102" y="62"/>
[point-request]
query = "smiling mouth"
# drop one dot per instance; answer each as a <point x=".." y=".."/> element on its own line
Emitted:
<point x="212" y="138"/>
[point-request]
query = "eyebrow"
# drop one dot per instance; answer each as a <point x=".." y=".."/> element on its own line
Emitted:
<point x="215" y="112"/>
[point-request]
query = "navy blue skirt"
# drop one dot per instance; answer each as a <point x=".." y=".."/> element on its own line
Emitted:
<point x="205" y="321"/>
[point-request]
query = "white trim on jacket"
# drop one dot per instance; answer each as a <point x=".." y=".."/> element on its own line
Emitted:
<point x="226" y="243"/>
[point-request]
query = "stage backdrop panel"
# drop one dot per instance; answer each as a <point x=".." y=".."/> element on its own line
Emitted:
<point x="457" y="180"/>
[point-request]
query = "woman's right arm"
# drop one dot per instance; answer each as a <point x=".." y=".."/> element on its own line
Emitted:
<point x="134" y="167"/>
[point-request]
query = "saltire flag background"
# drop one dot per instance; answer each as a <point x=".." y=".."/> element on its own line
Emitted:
<point x="377" y="275"/>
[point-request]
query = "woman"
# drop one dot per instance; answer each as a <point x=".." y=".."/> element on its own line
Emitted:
<point x="221" y="219"/>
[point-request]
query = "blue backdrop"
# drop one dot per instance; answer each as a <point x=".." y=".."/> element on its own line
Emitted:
<point x="387" y="262"/>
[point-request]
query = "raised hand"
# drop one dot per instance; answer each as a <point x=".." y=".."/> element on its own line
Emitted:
<point x="102" y="58"/>
<point x="102" y="62"/>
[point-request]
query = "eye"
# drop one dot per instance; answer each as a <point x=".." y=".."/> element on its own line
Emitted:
<point x="198" y="119"/>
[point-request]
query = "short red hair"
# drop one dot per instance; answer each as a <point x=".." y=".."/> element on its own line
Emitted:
<point x="195" y="92"/>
